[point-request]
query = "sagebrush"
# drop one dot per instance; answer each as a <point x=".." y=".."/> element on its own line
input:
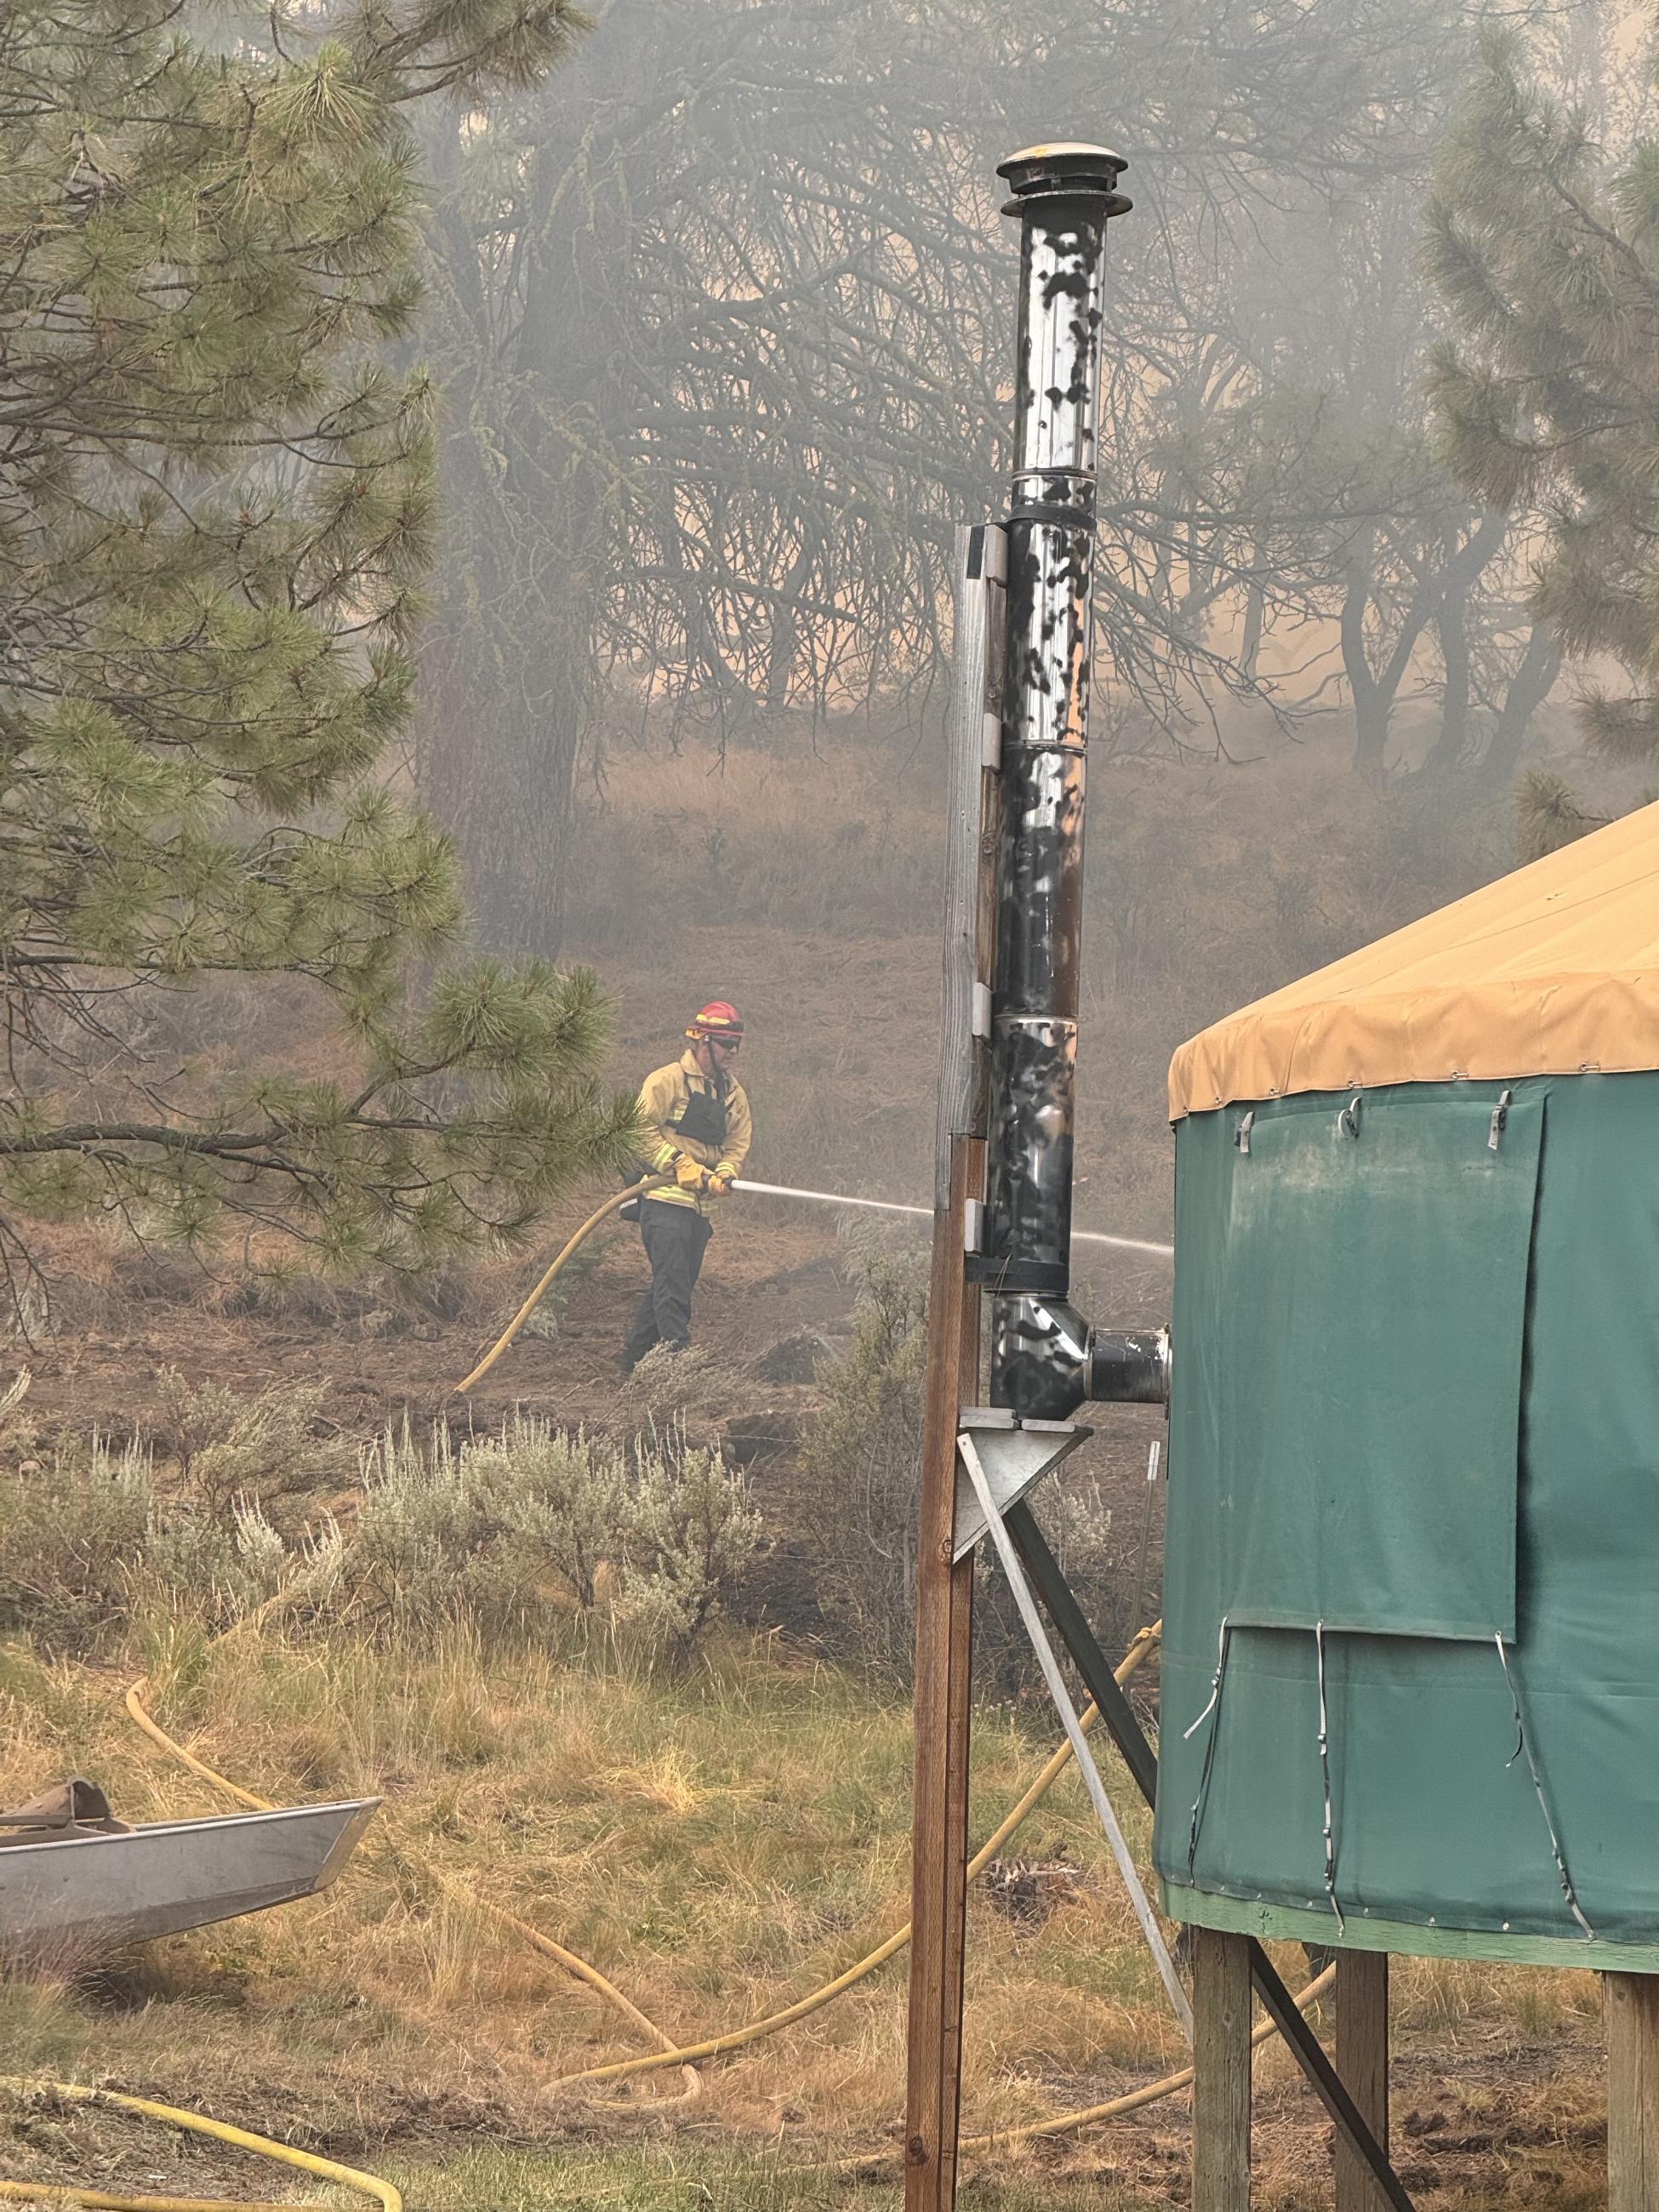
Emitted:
<point x="216" y="1516"/>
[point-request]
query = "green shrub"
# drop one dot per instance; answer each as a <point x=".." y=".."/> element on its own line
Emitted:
<point x="73" y="1532"/>
<point x="860" y="1454"/>
<point x="494" y="1531"/>
<point x="690" y="1530"/>
<point x="502" y="1532"/>
<point x="494" y="1535"/>
<point x="226" y="1446"/>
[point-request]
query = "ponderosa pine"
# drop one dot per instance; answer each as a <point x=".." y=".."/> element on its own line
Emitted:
<point x="215" y="515"/>
<point x="1546" y="252"/>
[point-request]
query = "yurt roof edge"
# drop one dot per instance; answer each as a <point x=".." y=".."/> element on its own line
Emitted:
<point x="1552" y="970"/>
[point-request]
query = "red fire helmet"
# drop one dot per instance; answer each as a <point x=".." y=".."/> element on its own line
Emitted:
<point x="719" y="1018"/>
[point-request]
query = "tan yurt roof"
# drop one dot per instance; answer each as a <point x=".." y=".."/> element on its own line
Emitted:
<point x="1552" y="971"/>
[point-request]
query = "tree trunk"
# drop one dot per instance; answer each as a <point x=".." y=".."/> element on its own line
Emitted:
<point x="506" y="662"/>
<point x="1255" y="609"/>
<point x="501" y="736"/>
<point x="1371" y="702"/>
<point x="1530" y="685"/>
<point x="784" y="645"/>
<point x="1464" y="566"/>
<point x="1452" y="624"/>
<point x="506" y="690"/>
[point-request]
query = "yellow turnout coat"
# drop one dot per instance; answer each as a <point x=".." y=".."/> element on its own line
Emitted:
<point x="681" y="1093"/>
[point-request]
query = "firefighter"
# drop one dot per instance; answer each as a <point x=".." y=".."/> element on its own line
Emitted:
<point x="697" y="1128"/>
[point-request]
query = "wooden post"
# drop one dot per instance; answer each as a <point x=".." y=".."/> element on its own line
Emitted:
<point x="939" y="1881"/>
<point x="945" y="1591"/>
<point x="1629" y="2004"/>
<point x="1221" y="2072"/>
<point x="1362" y="2060"/>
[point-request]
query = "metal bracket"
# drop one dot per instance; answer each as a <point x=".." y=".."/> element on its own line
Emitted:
<point x="990" y="742"/>
<point x="981" y="1017"/>
<point x="1014" y="1455"/>
<point x="1500" y="1115"/>
<point x="973" y="1225"/>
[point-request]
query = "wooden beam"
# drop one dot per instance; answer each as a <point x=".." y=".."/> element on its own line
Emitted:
<point x="1362" y="2060"/>
<point x="1630" y="2006"/>
<point x="1221" y="2072"/>
<point x="939" y="1886"/>
<point x="969" y="850"/>
<point x="945" y="1588"/>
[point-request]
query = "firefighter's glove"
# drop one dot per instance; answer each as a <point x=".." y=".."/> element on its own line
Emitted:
<point x="689" y="1174"/>
<point x="720" y="1183"/>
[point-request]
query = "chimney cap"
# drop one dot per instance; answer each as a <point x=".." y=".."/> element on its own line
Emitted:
<point x="1065" y="169"/>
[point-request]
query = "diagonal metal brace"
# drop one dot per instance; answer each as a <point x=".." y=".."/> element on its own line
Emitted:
<point x="1020" y="1590"/>
<point x="1138" y="1755"/>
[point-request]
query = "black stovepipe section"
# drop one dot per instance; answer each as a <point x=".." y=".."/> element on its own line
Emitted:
<point x="1064" y="197"/>
<point x="1047" y="1360"/>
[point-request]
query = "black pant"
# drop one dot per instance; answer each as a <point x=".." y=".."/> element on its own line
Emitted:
<point x="676" y="1238"/>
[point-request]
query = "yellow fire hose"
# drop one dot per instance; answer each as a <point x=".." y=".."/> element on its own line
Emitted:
<point x="97" y="2200"/>
<point x="735" y="2038"/>
<point x="762" y="1189"/>
<point x="1115" y="2107"/>
<point x="323" y="2169"/>
<point x="158" y="1735"/>
<point x="599" y="1213"/>
<point x="754" y="2030"/>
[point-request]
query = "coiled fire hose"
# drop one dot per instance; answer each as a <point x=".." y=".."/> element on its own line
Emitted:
<point x="754" y="2030"/>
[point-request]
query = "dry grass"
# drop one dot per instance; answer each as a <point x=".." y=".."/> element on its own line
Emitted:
<point x="718" y="1845"/>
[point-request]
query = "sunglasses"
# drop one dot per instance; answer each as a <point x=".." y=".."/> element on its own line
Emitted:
<point x="726" y="1044"/>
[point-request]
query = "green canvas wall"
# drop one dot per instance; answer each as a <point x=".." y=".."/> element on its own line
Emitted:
<point x="1369" y="1421"/>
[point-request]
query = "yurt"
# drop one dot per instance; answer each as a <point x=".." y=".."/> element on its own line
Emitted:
<point x="1411" y="1677"/>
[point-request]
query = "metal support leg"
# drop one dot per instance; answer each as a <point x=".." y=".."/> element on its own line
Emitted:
<point x="1079" y="1743"/>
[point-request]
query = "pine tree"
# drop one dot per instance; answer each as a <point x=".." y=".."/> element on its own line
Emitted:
<point x="216" y="512"/>
<point x="1547" y="254"/>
